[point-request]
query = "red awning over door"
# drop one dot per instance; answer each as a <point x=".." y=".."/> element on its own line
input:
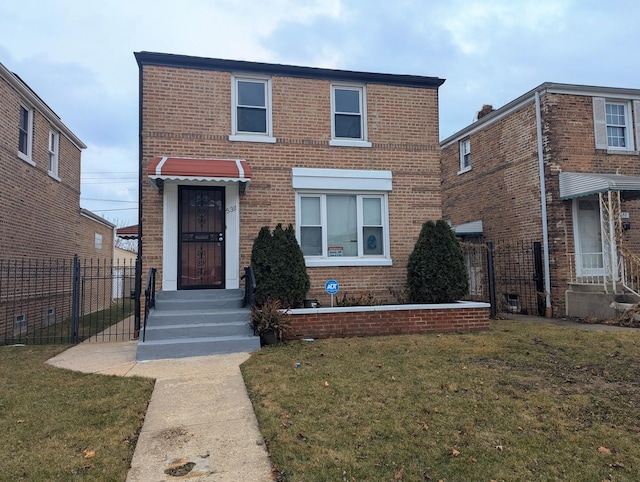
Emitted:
<point x="188" y="169"/>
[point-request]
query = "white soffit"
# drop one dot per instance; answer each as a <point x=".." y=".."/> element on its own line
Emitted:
<point x="340" y="179"/>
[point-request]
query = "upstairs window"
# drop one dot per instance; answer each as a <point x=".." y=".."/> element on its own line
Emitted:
<point x="348" y="116"/>
<point x="251" y="110"/>
<point x="612" y="124"/>
<point x="465" y="155"/>
<point x="25" y="134"/>
<point x="54" y="146"/>
<point x="616" y="125"/>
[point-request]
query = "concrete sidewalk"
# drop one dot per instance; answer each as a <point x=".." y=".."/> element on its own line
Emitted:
<point x="199" y="418"/>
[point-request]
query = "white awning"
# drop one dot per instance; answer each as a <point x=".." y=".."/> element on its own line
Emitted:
<point x="578" y="184"/>
<point x="468" y="229"/>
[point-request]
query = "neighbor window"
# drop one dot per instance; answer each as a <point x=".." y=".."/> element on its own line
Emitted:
<point x="343" y="225"/>
<point x="54" y="146"/>
<point x="465" y="155"/>
<point x="616" y="125"/>
<point x="98" y="241"/>
<point x="251" y="109"/>
<point x="348" y="116"/>
<point x="25" y="134"/>
<point x="612" y="123"/>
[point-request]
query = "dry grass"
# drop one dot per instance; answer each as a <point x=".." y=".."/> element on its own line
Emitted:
<point x="519" y="402"/>
<point x="62" y="425"/>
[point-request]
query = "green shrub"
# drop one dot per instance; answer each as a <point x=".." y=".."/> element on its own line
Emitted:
<point x="279" y="267"/>
<point x="436" y="272"/>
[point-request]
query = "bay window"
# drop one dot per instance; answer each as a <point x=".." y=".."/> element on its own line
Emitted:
<point x="342" y="216"/>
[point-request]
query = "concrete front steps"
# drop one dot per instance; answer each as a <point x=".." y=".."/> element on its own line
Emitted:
<point x="195" y="323"/>
<point x="593" y="301"/>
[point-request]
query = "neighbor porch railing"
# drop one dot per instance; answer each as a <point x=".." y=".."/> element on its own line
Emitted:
<point x="629" y="269"/>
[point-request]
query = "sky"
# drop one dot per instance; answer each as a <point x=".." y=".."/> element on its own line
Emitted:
<point x="78" y="57"/>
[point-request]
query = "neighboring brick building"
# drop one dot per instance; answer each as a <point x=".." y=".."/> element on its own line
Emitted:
<point x="40" y="215"/>
<point x="589" y="138"/>
<point x="41" y="223"/>
<point x="351" y="159"/>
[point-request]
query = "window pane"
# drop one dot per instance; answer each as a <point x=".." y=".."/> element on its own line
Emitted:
<point x="373" y="241"/>
<point x="252" y="120"/>
<point x="310" y="211"/>
<point x="342" y="226"/>
<point x="311" y="241"/>
<point x="371" y="212"/>
<point x="251" y="94"/>
<point x="347" y="101"/>
<point x="616" y="137"/>
<point x="347" y="126"/>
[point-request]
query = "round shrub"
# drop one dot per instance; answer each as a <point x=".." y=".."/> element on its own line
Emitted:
<point x="279" y="267"/>
<point x="436" y="272"/>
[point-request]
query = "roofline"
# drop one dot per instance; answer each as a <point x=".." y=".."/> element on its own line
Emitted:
<point x="36" y="102"/>
<point x="203" y="63"/>
<point x="96" y="218"/>
<point x="550" y="87"/>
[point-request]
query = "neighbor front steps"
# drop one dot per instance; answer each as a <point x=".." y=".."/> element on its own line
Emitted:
<point x="195" y="323"/>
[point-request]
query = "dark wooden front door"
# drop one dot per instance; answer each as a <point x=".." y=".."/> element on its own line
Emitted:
<point x="201" y="237"/>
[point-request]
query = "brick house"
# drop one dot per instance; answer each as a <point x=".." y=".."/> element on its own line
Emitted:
<point x="582" y="208"/>
<point x="40" y="215"/>
<point x="351" y="159"/>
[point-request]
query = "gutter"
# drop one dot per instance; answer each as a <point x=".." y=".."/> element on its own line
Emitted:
<point x="548" y="312"/>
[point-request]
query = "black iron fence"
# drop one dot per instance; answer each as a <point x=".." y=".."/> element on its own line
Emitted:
<point x="509" y="275"/>
<point x="66" y="301"/>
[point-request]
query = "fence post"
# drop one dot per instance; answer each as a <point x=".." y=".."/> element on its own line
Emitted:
<point x="538" y="276"/>
<point x="492" y="279"/>
<point x="75" y="301"/>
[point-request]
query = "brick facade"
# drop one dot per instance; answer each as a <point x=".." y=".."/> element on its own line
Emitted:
<point x="503" y="186"/>
<point x="186" y="112"/>
<point x="40" y="215"/>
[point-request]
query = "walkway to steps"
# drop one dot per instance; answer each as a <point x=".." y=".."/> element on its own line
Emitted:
<point x="197" y="323"/>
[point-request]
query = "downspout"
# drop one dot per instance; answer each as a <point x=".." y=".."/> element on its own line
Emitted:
<point x="138" y="289"/>
<point x="543" y="204"/>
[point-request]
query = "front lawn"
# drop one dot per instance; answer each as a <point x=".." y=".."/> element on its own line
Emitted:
<point x="62" y="425"/>
<point x="519" y="402"/>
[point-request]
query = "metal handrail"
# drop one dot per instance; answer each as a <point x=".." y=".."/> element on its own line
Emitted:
<point x="249" y="286"/>
<point x="629" y="270"/>
<point x="149" y="298"/>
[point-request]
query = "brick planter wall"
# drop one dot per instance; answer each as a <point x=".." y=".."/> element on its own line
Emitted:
<point x="387" y="320"/>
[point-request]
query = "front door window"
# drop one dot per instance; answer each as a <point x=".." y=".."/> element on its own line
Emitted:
<point x="201" y="238"/>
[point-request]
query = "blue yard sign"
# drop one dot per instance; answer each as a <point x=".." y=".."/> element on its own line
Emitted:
<point x="331" y="287"/>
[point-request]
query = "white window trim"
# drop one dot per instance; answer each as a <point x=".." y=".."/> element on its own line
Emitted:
<point x="251" y="136"/>
<point x="360" y="260"/>
<point x="461" y="144"/>
<point x="28" y="156"/>
<point x="600" y="125"/>
<point x="349" y="142"/>
<point x="363" y="183"/>
<point x="54" y="169"/>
